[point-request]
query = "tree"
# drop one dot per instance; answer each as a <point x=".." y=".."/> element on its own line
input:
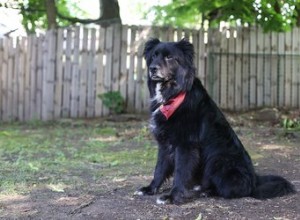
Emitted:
<point x="271" y="15"/>
<point x="46" y="14"/>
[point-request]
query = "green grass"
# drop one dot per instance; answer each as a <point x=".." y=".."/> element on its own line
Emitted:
<point x="69" y="153"/>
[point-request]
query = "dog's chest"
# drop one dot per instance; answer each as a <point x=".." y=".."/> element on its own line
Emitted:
<point x="158" y="96"/>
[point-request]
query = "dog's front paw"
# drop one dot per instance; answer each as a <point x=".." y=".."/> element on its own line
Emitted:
<point x="174" y="197"/>
<point x="147" y="190"/>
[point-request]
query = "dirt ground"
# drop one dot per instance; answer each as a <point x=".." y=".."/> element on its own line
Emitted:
<point x="273" y="150"/>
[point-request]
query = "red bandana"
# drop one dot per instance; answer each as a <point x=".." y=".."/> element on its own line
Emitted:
<point x="170" y="107"/>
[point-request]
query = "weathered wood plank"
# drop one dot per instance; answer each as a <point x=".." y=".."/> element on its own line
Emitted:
<point x="295" y="64"/>
<point x="224" y="70"/>
<point x="131" y="73"/>
<point x="274" y="70"/>
<point x="202" y="57"/>
<point x="91" y="76"/>
<point x="288" y="69"/>
<point x="39" y="77"/>
<point x="139" y="74"/>
<point x="267" y="70"/>
<point x="260" y="67"/>
<point x="67" y="76"/>
<point x="59" y="74"/>
<point x="15" y="57"/>
<point x="10" y="72"/>
<point x="100" y="72"/>
<point x="124" y="60"/>
<point x="297" y="61"/>
<point x="245" y="72"/>
<point x="27" y="79"/>
<point x="33" y="71"/>
<point x="21" y="75"/>
<point x="281" y="69"/>
<point x="83" y="74"/>
<point x="75" y="81"/>
<point x="253" y="67"/>
<point x="49" y="76"/>
<point x="231" y="69"/>
<point x="108" y="64"/>
<point x="116" y="58"/>
<point x="4" y="79"/>
<point x="241" y="72"/>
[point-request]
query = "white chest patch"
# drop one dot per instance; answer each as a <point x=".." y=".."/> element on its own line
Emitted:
<point x="158" y="96"/>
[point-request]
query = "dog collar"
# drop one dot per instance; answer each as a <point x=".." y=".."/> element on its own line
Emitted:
<point x="170" y="107"/>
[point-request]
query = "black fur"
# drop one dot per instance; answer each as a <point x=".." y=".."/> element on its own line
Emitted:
<point x="196" y="144"/>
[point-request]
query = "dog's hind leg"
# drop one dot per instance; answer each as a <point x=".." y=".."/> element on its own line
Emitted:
<point x="163" y="170"/>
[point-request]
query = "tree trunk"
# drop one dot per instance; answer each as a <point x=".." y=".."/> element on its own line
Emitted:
<point x="110" y="12"/>
<point x="51" y="13"/>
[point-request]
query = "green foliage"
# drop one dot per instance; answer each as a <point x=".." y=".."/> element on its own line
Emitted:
<point x="114" y="101"/>
<point x="177" y="14"/>
<point x="291" y="123"/>
<point x="271" y="15"/>
<point x="34" y="12"/>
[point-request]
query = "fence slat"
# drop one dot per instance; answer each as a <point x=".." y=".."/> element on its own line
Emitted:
<point x="238" y="70"/>
<point x="108" y="64"/>
<point x="288" y="69"/>
<point x="49" y="76"/>
<point x="10" y="72"/>
<point x="245" y="74"/>
<point x="67" y="77"/>
<point x="281" y="66"/>
<point x="295" y="50"/>
<point x="4" y="91"/>
<point x="116" y="58"/>
<point x="132" y="62"/>
<point x="91" y="76"/>
<point x="231" y="69"/>
<point x="75" y="75"/>
<point x="83" y="65"/>
<point x="260" y="67"/>
<point x="139" y="74"/>
<point x="100" y="73"/>
<point x="297" y="53"/>
<point x="267" y="70"/>
<point x="223" y="70"/>
<point x="253" y="68"/>
<point x="124" y="59"/>
<point x="39" y="77"/>
<point x="59" y="73"/>
<point x="274" y="69"/>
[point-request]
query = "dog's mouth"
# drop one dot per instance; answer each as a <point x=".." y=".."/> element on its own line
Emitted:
<point x="157" y="78"/>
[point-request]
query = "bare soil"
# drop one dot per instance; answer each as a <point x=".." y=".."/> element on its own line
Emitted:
<point x="273" y="150"/>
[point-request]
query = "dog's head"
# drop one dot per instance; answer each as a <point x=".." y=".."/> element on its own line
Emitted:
<point x="170" y="62"/>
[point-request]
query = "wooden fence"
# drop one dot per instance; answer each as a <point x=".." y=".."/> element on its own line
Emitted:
<point x="59" y="74"/>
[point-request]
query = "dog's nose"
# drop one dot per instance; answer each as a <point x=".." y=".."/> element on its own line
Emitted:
<point x="153" y="69"/>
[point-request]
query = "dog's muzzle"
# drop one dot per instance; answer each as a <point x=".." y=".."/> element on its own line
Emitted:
<point x="155" y="73"/>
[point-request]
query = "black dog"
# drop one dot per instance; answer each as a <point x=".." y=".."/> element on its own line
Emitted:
<point x="196" y="143"/>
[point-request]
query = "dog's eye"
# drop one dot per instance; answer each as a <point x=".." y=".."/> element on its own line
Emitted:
<point x="169" y="57"/>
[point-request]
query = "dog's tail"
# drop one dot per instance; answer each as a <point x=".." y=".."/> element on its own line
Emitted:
<point x="272" y="186"/>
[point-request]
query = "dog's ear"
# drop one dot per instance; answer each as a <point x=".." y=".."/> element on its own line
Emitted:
<point x="187" y="48"/>
<point x="186" y="79"/>
<point x="149" y="45"/>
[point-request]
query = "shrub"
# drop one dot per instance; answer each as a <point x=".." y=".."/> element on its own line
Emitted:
<point x="291" y="123"/>
<point x="114" y="101"/>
